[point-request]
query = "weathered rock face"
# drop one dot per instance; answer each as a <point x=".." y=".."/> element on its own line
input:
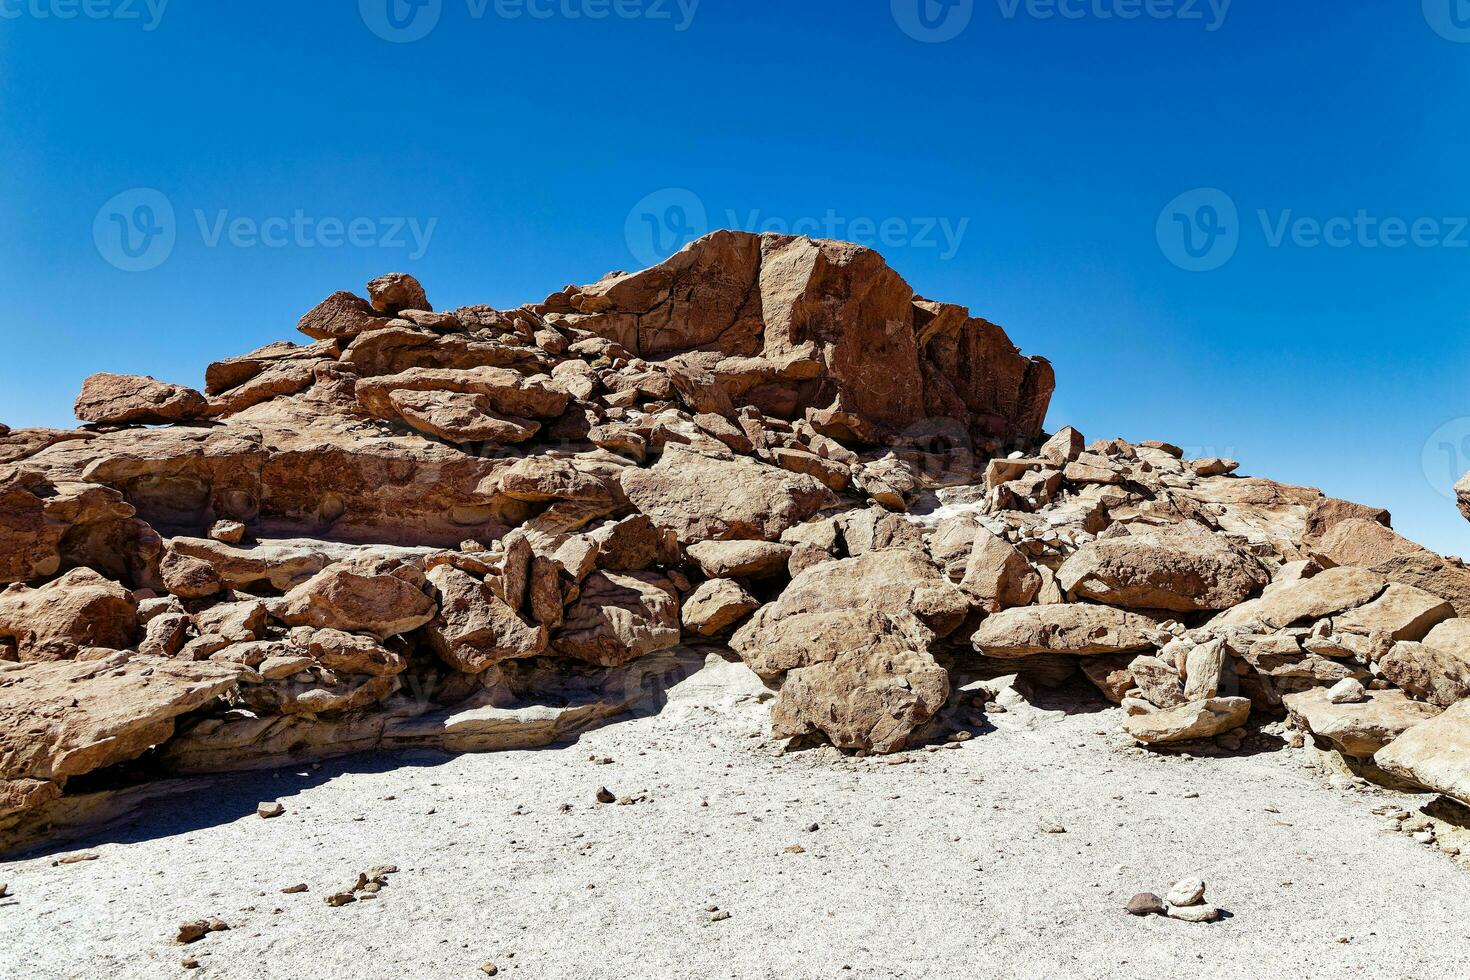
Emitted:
<point x="1367" y="543"/>
<point x="1072" y="628"/>
<point x="1362" y="728"/>
<point x="125" y="399"/>
<point x="703" y="498"/>
<point x="1182" y="569"/>
<point x="59" y="720"/>
<point x="485" y="528"/>
<point x="1435" y="754"/>
<point x="56" y="621"/>
<point x="824" y="329"/>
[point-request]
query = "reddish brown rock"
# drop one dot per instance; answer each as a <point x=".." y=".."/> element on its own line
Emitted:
<point x="60" y="720"/>
<point x="380" y="605"/>
<point x="475" y="627"/>
<point x="1184" y="569"/>
<point x="126" y="399"/>
<point x="395" y="292"/>
<point x="704" y="498"/>
<point x="789" y="324"/>
<point x="619" y="617"/>
<point x="339" y="316"/>
<point x="55" y="621"/>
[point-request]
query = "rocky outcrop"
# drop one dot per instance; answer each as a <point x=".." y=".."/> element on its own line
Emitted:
<point x="64" y="719"/>
<point x="480" y="528"/>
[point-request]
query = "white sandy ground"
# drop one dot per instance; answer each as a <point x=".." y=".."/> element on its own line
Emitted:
<point x="935" y="868"/>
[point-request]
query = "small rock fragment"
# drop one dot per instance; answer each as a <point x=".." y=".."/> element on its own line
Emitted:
<point x="1186" y="892"/>
<point x="1146" y="903"/>
<point x="268" y="810"/>
<point x="605" y="795"/>
<point x="1194" y="913"/>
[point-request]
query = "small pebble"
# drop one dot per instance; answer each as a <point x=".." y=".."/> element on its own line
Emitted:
<point x="1146" y="903"/>
<point x="605" y="795"/>
<point x="268" y="810"/>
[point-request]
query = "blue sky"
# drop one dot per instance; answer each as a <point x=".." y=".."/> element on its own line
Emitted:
<point x="1039" y="161"/>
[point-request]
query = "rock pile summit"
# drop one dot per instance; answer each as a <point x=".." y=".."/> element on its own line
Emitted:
<point x="479" y="529"/>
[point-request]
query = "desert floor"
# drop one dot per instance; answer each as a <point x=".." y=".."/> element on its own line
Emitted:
<point x="937" y="866"/>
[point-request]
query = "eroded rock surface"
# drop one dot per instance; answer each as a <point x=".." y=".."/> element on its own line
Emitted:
<point x="481" y="528"/>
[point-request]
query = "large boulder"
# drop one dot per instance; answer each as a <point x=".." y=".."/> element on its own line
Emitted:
<point x="1194" y="720"/>
<point x="359" y="600"/>
<point x="1185" y="569"/>
<point x="79" y="610"/>
<point x="61" y="720"/>
<point x="716" y="605"/>
<point x="998" y="576"/>
<point x="893" y="581"/>
<point x="1437" y="672"/>
<point x="127" y="399"/>
<point x="475" y="627"/>
<point x="863" y="678"/>
<point x="1073" y="628"/>
<point x="1367" y="543"/>
<point x="1305" y="600"/>
<point x="619" y="617"/>
<point x="704" y="497"/>
<point x="1402" y="612"/>
<point x="1434" y="754"/>
<point x="791" y="324"/>
<point x="1357" y="728"/>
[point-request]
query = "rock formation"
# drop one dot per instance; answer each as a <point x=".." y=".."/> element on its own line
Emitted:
<point x="424" y="527"/>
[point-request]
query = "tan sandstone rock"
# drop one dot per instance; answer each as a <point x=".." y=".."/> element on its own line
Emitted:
<point x="1184" y="569"/>
<point x="1358" y="729"/>
<point x="126" y="399"/>
<point x="1196" y="719"/>
<point x="1074" y="628"/>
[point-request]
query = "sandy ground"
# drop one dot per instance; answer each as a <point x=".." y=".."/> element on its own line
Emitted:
<point x="933" y="868"/>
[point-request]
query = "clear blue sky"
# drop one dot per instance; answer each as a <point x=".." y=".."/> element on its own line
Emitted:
<point x="1027" y="165"/>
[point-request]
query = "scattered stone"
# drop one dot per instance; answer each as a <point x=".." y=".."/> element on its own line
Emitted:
<point x="1146" y="903"/>
<point x="1194" y="913"/>
<point x="1186" y="891"/>
<point x="268" y="810"/>
<point x="605" y="795"/>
